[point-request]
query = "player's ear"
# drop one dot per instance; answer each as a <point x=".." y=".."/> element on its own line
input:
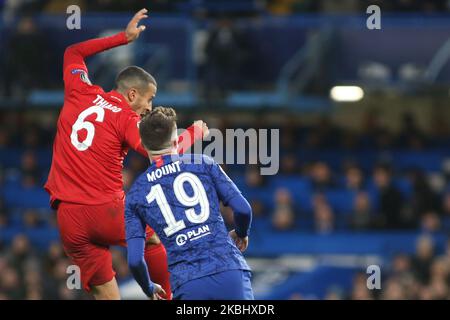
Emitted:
<point x="132" y="93"/>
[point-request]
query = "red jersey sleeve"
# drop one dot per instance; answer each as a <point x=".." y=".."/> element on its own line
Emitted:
<point x="75" y="72"/>
<point x="188" y="138"/>
<point x="129" y="130"/>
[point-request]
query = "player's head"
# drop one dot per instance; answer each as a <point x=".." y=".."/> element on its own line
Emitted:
<point x="158" y="130"/>
<point x="138" y="87"/>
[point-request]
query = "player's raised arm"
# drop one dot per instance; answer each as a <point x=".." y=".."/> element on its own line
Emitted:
<point x="197" y="131"/>
<point x="75" y="54"/>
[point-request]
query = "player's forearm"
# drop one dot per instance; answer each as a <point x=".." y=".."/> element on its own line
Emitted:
<point x="76" y="53"/>
<point x="188" y="138"/>
<point x="242" y="215"/>
<point x="137" y="265"/>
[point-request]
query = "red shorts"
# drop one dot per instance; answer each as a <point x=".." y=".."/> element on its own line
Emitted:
<point x="87" y="232"/>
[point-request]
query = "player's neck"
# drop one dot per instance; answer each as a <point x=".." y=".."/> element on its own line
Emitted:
<point x="161" y="153"/>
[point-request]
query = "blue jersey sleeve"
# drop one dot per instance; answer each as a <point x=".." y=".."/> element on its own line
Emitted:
<point x="134" y="225"/>
<point x="135" y="233"/>
<point x="230" y="195"/>
<point x="138" y="266"/>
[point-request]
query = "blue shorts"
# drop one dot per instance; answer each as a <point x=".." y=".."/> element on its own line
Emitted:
<point x="226" y="285"/>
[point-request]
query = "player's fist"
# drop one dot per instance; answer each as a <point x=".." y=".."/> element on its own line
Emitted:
<point x="157" y="292"/>
<point x="133" y="30"/>
<point x="202" y="126"/>
<point x="241" y="243"/>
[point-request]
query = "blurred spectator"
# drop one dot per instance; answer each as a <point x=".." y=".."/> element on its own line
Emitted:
<point x="258" y="208"/>
<point x="440" y="271"/>
<point x="54" y="254"/>
<point x="3" y="214"/>
<point x="411" y="135"/>
<point x="360" y="291"/>
<point x="253" y="178"/>
<point x="29" y="170"/>
<point x="323" y="215"/>
<point x="283" y="217"/>
<point x="289" y="164"/>
<point x="401" y="268"/>
<point x="446" y="210"/>
<point x="32" y="219"/>
<point x="4" y="138"/>
<point x="286" y="7"/>
<point x="10" y="284"/>
<point x="21" y="70"/>
<point x="31" y="137"/>
<point x="20" y="252"/>
<point x="374" y="134"/>
<point x="430" y="222"/>
<point x="58" y="6"/>
<point x="226" y="53"/>
<point x="390" y="199"/>
<point x="354" y="178"/>
<point x="423" y="259"/>
<point x="321" y="177"/>
<point x="361" y="218"/>
<point x="393" y="291"/>
<point x="423" y="198"/>
<point x="334" y="293"/>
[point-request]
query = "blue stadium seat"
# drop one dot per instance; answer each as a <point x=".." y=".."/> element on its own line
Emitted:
<point x="341" y="200"/>
<point x="18" y="197"/>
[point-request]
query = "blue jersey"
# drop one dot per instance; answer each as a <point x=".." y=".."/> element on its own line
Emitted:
<point x="179" y="198"/>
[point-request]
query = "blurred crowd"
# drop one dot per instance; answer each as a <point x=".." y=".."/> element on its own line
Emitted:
<point x="376" y="194"/>
<point x="27" y="272"/>
<point x="424" y="275"/>
<point x="32" y="274"/>
<point x="276" y="7"/>
<point x="372" y="195"/>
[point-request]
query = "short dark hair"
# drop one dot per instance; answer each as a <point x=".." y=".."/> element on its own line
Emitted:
<point x="134" y="77"/>
<point x="156" y="128"/>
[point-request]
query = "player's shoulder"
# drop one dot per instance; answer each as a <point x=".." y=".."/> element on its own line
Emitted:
<point x="78" y="77"/>
<point x="195" y="158"/>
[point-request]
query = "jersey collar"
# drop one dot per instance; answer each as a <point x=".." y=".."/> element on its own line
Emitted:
<point x="119" y="98"/>
<point x="159" y="161"/>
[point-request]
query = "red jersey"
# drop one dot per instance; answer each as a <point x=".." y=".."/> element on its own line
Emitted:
<point x="94" y="133"/>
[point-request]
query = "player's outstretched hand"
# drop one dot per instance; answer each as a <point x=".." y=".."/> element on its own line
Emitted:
<point x="157" y="291"/>
<point x="133" y="30"/>
<point x="241" y="243"/>
<point x="201" y="124"/>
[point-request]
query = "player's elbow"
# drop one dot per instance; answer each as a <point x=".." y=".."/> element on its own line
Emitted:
<point x="134" y="262"/>
<point x="242" y="207"/>
<point x="70" y="50"/>
<point x="71" y="53"/>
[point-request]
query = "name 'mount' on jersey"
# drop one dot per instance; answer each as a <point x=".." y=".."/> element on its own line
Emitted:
<point x="179" y="197"/>
<point x="166" y="169"/>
